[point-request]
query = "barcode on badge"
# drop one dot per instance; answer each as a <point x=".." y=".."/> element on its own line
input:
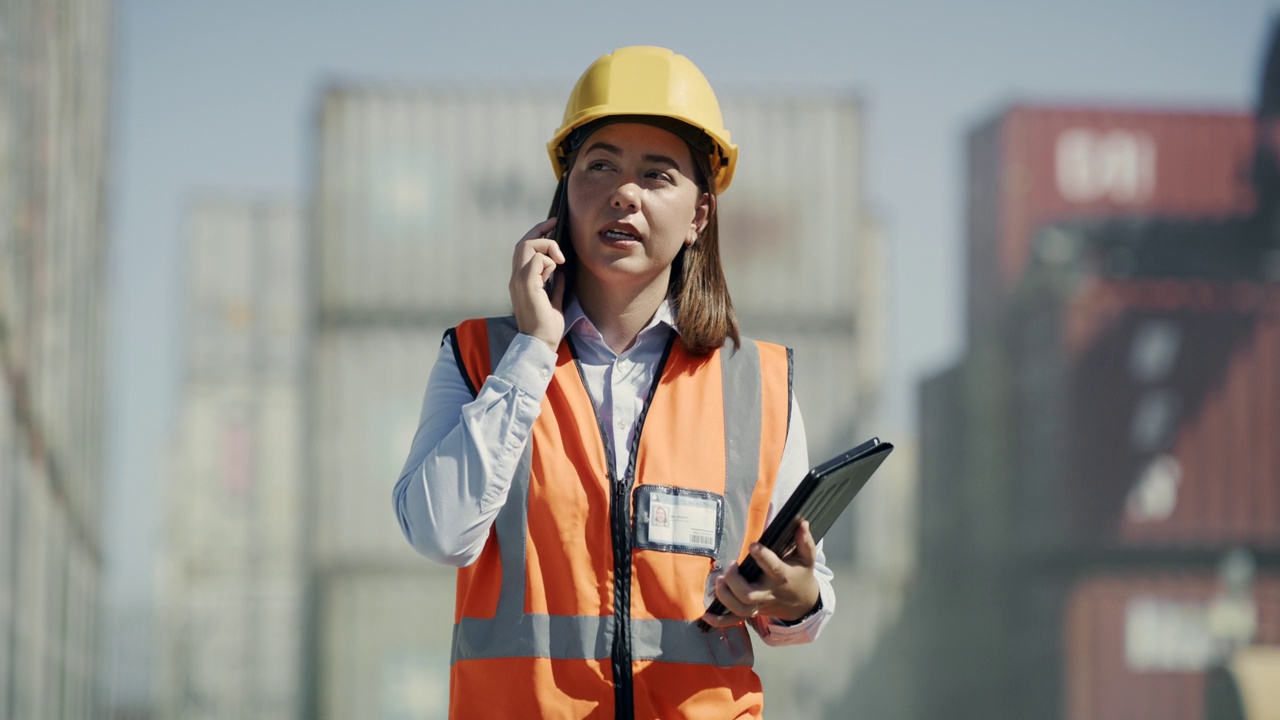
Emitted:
<point x="701" y="538"/>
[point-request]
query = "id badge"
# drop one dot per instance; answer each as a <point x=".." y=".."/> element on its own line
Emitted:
<point x="678" y="520"/>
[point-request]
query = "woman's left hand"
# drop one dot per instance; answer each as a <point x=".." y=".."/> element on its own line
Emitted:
<point x="787" y="589"/>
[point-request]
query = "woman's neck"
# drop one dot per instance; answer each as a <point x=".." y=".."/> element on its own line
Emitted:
<point x="619" y="313"/>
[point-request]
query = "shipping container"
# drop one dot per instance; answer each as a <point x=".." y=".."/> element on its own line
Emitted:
<point x="245" y="272"/>
<point x="421" y="197"/>
<point x="1147" y="415"/>
<point x="54" y="62"/>
<point x="230" y="646"/>
<point x="942" y="451"/>
<point x="385" y="643"/>
<point x="236" y="486"/>
<point x="966" y="483"/>
<point x="1035" y="165"/>
<point x="414" y="185"/>
<point x="1141" y="645"/>
<point x="370" y="382"/>
<point x="793" y="224"/>
<point x="231" y="638"/>
<point x="11" y="494"/>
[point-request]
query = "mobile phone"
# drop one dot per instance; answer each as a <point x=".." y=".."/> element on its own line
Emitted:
<point x="561" y="211"/>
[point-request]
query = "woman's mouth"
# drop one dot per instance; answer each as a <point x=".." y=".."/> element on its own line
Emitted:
<point x="619" y="236"/>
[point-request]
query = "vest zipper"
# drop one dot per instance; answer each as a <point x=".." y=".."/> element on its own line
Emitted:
<point x="620" y="530"/>
<point x="623" y="690"/>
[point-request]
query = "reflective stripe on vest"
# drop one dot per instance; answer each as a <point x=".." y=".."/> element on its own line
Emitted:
<point x="510" y="632"/>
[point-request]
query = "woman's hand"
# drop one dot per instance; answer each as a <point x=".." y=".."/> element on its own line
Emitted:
<point x="538" y="313"/>
<point x="787" y="589"/>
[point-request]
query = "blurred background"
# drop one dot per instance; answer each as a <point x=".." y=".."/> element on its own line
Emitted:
<point x="1036" y="245"/>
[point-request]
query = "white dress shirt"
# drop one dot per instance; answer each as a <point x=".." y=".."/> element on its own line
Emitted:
<point x="465" y="452"/>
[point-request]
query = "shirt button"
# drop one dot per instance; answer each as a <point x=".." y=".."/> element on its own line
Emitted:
<point x="543" y="374"/>
<point x="620" y="424"/>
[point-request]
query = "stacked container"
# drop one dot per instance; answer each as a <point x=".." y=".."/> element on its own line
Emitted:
<point x="1033" y="166"/>
<point x="1144" y="353"/>
<point x="1163" y="438"/>
<point x="1142" y="645"/>
<point x="53" y="136"/>
<point x="231" y="630"/>
<point x="420" y="198"/>
<point x="1112" y="419"/>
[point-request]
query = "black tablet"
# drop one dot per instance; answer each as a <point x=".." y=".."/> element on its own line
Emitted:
<point x="820" y="498"/>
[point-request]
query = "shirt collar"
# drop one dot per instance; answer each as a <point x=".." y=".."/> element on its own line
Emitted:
<point x="575" y="320"/>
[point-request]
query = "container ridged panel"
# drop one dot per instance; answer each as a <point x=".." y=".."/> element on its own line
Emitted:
<point x="1175" y="406"/>
<point x="230" y="637"/>
<point x="791" y="220"/>
<point x="423" y="195"/>
<point x="371" y="382"/>
<point x="395" y="661"/>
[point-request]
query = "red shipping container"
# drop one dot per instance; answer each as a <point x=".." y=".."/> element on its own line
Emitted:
<point x="1033" y="166"/>
<point x="1139" y="646"/>
<point x="1174" y="414"/>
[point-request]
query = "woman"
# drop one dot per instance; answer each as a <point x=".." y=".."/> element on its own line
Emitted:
<point x="596" y="464"/>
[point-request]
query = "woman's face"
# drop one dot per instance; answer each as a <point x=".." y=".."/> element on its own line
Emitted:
<point x="633" y="204"/>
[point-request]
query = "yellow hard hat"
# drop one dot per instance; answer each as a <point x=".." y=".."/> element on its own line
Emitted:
<point x="655" y="83"/>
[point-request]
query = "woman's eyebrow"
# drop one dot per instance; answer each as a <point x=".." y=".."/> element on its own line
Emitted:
<point x="601" y="145"/>
<point x="662" y="160"/>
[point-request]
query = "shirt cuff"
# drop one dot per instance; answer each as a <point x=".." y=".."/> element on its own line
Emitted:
<point x="528" y="365"/>
<point x="774" y="632"/>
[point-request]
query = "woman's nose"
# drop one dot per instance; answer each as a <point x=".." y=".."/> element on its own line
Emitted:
<point x="627" y="196"/>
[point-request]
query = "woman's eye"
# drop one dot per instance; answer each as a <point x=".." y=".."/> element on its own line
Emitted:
<point x="598" y="165"/>
<point x="659" y="175"/>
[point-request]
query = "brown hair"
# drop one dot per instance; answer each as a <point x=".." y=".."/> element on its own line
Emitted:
<point x="697" y="290"/>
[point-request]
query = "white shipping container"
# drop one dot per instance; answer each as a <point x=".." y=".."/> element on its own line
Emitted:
<point x="53" y="74"/>
<point x="52" y="237"/>
<point x="232" y="648"/>
<point x="235" y="496"/>
<point x="231" y="638"/>
<point x="232" y="587"/>
<point x="792" y="220"/>
<point x="8" y="550"/>
<point x="246" y="266"/>
<point x="422" y="194"/>
<point x="32" y="643"/>
<point x="369" y="385"/>
<point x="394" y="662"/>
<point x="79" y="689"/>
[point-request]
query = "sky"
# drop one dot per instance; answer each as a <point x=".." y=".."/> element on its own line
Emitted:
<point x="219" y="96"/>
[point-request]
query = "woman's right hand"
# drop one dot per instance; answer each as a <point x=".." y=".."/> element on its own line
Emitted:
<point x="538" y="313"/>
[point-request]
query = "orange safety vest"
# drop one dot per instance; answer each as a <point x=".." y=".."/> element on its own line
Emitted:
<point x="563" y="615"/>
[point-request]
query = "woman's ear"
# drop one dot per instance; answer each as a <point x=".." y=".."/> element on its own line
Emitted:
<point x="701" y="216"/>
